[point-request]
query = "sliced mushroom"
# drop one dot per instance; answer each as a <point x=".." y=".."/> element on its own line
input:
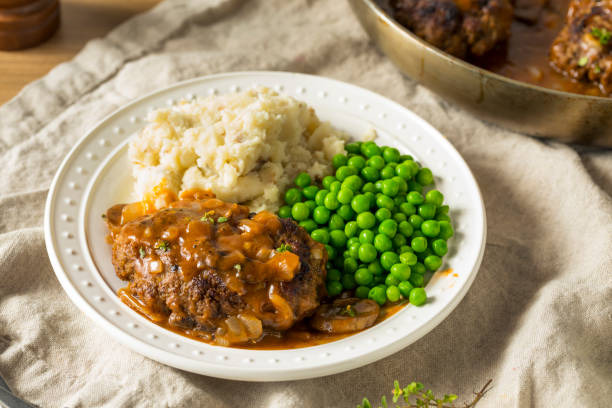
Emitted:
<point x="345" y="315"/>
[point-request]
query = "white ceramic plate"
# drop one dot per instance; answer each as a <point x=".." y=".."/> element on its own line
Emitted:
<point x="96" y="175"/>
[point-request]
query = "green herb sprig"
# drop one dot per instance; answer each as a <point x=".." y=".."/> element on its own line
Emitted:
<point x="284" y="248"/>
<point x="415" y="396"/>
<point x="602" y="35"/>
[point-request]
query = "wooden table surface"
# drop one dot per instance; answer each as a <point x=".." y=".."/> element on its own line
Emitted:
<point x="81" y="20"/>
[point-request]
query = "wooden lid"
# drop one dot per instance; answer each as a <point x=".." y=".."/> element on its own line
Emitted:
<point x="25" y="23"/>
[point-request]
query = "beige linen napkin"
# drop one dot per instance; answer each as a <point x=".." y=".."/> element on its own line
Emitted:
<point x="538" y="319"/>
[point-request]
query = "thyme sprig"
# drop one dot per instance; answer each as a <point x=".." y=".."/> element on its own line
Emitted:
<point x="415" y="396"/>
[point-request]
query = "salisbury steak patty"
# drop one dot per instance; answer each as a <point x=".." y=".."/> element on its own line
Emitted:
<point x="583" y="49"/>
<point x="459" y="27"/>
<point x="216" y="270"/>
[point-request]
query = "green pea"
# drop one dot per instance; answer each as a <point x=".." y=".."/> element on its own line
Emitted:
<point x="388" y="227"/>
<point x="303" y="180"/>
<point x="405" y="288"/>
<point x="416" y="221"/>
<point x="358" y="162"/>
<point x="419" y="268"/>
<point x="376" y="268"/>
<point x="327" y="181"/>
<point x="348" y="281"/>
<point x="336" y="222"/>
<point x="353" y="183"/>
<point x="403" y="186"/>
<point x="308" y="225"/>
<point x="320" y="235"/>
<point x="371" y="198"/>
<point x="354" y="147"/>
<point x="433" y="263"/>
<point x="387" y="172"/>
<point x="391" y="280"/>
<point x="344" y="171"/>
<point x="399" y="241"/>
<point x="353" y="250"/>
<point x="414" y="167"/>
<point x="415" y="198"/>
<point x="442" y="217"/>
<point x="417" y="233"/>
<point x="378" y="294"/>
<point x="366" y="220"/>
<point x="378" y="186"/>
<point x="419" y="244"/>
<point x="350" y="265"/>
<point x="370" y="173"/>
<point x="300" y="211"/>
<point x="352" y="240"/>
<point x="337" y="238"/>
<point x="368" y="188"/>
<point x="388" y="259"/>
<point x="367" y="253"/>
<point x="335" y="187"/>
<point x="405" y="157"/>
<point x="383" y="214"/>
<point x="333" y="275"/>
<point x="382" y="201"/>
<point x="430" y="228"/>
<point x="370" y="149"/>
<point x="321" y="214"/>
<point x="417" y="280"/>
<point x="393" y="293"/>
<point x="320" y="197"/>
<point x="390" y="188"/>
<point x="366" y="236"/>
<point x="351" y="228"/>
<point x="345" y="195"/>
<point x="408" y="258"/>
<point x="331" y="201"/>
<point x="427" y="211"/>
<point x="346" y="212"/>
<point x="311" y="205"/>
<point x="377" y="162"/>
<point x="443" y="210"/>
<point x="382" y="243"/>
<point x="362" y="292"/>
<point x="292" y="196"/>
<point x="310" y="192"/>
<point x="407" y="208"/>
<point x="363" y="277"/>
<point x="404" y="248"/>
<point x="399" y="217"/>
<point x="360" y="203"/>
<point x="391" y="154"/>
<point x="405" y="228"/>
<point x="404" y="171"/>
<point x="446" y="229"/>
<point x="418" y="297"/>
<point x="439" y="247"/>
<point x="284" y="211"/>
<point x="334" y="288"/>
<point x="401" y="271"/>
<point x="424" y="177"/>
<point x="414" y="186"/>
<point x="339" y="160"/>
<point x="434" y="197"/>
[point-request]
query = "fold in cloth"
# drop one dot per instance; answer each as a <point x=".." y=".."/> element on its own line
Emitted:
<point x="537" y="320"/>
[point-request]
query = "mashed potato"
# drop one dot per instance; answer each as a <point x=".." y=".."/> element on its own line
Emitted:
<point x="245" y="147"/>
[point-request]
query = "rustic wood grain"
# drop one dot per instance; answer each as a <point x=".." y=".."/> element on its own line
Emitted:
<point x="81" y="20"/>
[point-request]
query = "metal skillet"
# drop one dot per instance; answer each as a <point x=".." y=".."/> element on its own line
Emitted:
<point x="512" y="104"/>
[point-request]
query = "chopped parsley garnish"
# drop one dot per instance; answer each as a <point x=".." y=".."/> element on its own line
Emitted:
<point x="222" y="219"/>
<point x="103" y="215"/>
<point x="597" y="70"/>
<point x="238" y="267"/>
<point x="583" y="61"/>
<point x="602" y="35"/>
<point x="163" y="245"/>
<point x="284" y="248"/>
<point x="142" y="252"/>
<point x="207" y="217"/>
<point x="349" y="311"/>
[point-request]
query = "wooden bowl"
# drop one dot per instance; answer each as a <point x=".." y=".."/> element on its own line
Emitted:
<point x="25" y="23"/>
